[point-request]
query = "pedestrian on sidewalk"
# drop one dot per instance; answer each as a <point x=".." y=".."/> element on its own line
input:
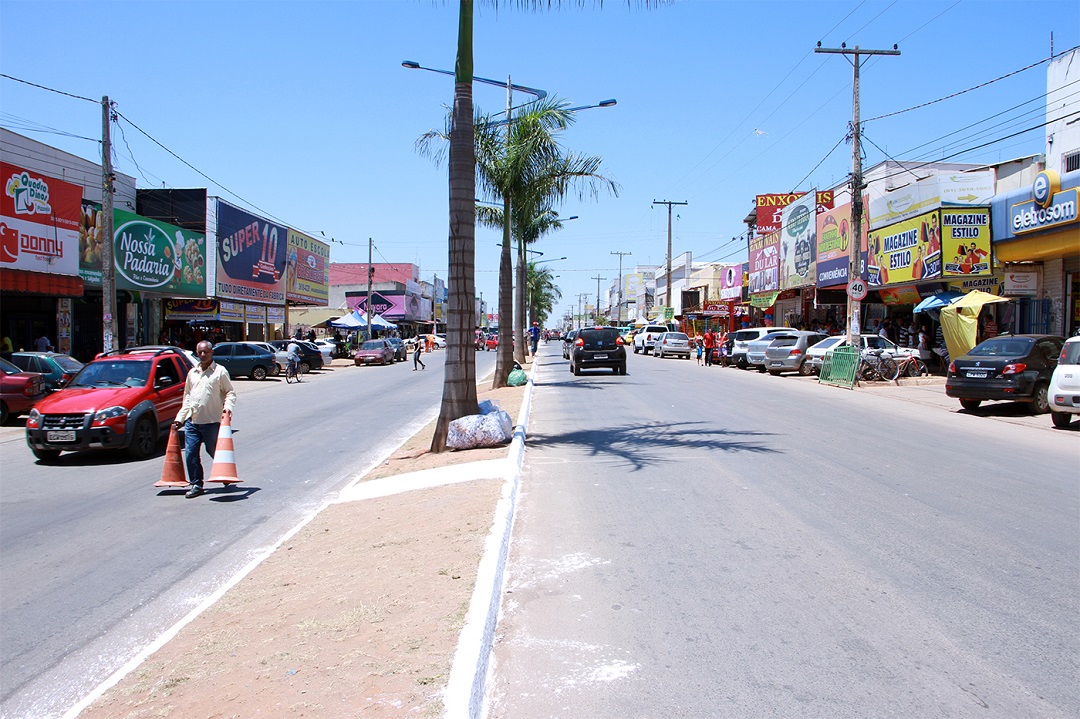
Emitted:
<point x="534" y="337"/>
<point x="208" y="395"/>
<point x="710" y="343"/>
<point x="699" y="343"/>
<point x="416" y="356"/>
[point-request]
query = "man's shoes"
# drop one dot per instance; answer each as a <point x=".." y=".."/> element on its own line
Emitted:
<point x="194" y="491"/>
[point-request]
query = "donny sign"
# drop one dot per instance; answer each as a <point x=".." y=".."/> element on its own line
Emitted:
<point x="159" y="257"/>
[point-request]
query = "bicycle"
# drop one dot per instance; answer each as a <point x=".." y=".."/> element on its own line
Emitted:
<point x="293" y="372"/>
<point x="878" y="364"/>
<point x="912" y="366"/>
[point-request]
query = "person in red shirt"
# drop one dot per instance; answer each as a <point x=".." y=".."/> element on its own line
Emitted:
<point x="710" y="344"/>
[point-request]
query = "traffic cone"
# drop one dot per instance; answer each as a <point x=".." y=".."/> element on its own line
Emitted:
<point x="224" y="469"/>
<point x="172" y="474"/>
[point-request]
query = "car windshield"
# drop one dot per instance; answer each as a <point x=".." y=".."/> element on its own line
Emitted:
<point x="745" y="335"/>
<point x="677" y="336"/>
<point x="827" y="343"/>
<point x="119" y="373"/>
<point x="373" y="345"/>
<point x="1003" y="347"/>
<point x="1071" y="354"/>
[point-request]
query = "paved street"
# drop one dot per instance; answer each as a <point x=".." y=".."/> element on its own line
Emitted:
<point x="707" y="542"/>
<point x="96" y="563"/>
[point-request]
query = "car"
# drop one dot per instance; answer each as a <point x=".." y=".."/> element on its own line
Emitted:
<point x="670" y="343"/>
<point x="245" y="359"/>
<point x="787" y="353"/>
<point x="598" y="347"/>
<point x="741" y="339"/>
<point x="401" y="352"/>
<point x="1006" y="367"/>
<point x="755" y="350"/>
<point x="123" y="399"/>
<point x="326" y="348"/>
<point x="491" y="342"/>
<point x="310" y="357"/>
<point x="815" y="354"/>
<point x="281" y="357"/>
<point x="374" y="352"/>
<point x="19" y="390"/>
<point x="1064" y="389"/>
<point x="568" y="342"/>
<point x="646" y="338"/>
<point x="56" y="368"/>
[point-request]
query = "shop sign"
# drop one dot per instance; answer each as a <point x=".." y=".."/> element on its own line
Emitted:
<point x="91" y="225"/>
<point x="798" y="243"/>
<point x="1048" y="207"/>
<point x="251" y="255"/>
<point x="731" y="282"/>
<point x="765" y="263"/>
<point x="833" y="246"/>
<point x="764" y="301"/>
<point x="966" y="188"/>
<point x="275" y="315"/>
<point x="900" y="295"/>
<point x="187" y="310"/>
<point x="153" y="255"/>
<point x="232" y="312"/>
<point x="255" y="314"/>
<point x="905" y="252"/>
<point x="307" y="270"/>
<point x="969" y="232"/>
<point x="39" y="222"/>
<point x="770" y="208"/>
<point x="1022" y="283"/>
<point x="715" y="309"/>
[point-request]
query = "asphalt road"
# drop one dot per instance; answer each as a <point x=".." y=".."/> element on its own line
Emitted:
<point x="707" y="542"/>
<point x="95" y="563"/>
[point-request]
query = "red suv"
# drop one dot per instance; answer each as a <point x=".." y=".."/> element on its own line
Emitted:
<point x="124" y="399"/>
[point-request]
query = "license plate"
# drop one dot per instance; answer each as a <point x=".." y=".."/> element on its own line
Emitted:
<point x="65" y="436"/>
<point x="599" y="357"/>
<point x="977" y="375"/>
<point x="777" y="364"/>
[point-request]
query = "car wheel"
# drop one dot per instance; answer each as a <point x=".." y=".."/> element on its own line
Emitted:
<point x="1040" y="403"/>
<point x="622" y="369"/>
<point x="575" y="369"/>
<point x="970" y="404"/>
<point x="774" y="372"/>
<point x="46" y="455"/>
<point x="761" y="369"/>
<point x="144" y="438"/>
<point x="741" y="363"/>
<point x="635" y="349"/>
<point x="1061" y="419"/>
<point x="305" y="367"/>
<point x="4" y="414"/>
<point x="805" y="369"/>
<point x="258" y="373"/>
<point x="614" y="370"/>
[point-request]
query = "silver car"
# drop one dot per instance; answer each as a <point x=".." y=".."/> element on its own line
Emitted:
<point x="755" y="351"/>
<point x="788" y="354"/>
<point x="741" y="339"/>
<point x="672" y="343"/>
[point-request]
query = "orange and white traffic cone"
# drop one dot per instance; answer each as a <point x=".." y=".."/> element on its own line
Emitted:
<point x="172" y="474"/>
<point x="224" y="469"/>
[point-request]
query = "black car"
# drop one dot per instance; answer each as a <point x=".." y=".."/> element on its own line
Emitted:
<point x="598" y="347"/>
<point x="401" y="352"/>
<point x="310" y="356"/>
<point x="1007" y="367"/>
<point x="568" y="342"/>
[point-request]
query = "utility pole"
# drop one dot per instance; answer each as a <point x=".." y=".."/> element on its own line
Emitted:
<point x="596" y="312"/>
<point x="108" y="278"/>
<point x="370" y="277"/>
<point x="854" y="269"/>
<point x="667" y="301"/>
<point x="618" y="312"/>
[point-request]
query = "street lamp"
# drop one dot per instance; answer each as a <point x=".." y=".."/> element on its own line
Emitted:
<point x="539" y="94"/>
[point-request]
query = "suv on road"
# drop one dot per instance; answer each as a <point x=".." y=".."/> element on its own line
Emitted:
<point x="645" y="339"/>
<point x="124" y="399"/>
<point x="598" y="347"/>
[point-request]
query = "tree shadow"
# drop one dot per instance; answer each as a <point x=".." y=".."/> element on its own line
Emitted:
<point x="643" y="444"/>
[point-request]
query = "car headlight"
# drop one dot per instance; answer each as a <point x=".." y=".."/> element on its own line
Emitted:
<point x="34" y="415"/>
<point x="110" y="413"/>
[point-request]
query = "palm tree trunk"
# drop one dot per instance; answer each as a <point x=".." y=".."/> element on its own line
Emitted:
<point x="504" y="360"/>
<point x="459" y="383"/>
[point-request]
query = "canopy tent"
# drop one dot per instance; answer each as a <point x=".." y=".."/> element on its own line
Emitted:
<point x="936" y="302"/>
<point x="355" y="320"/>
<point x="960" y="320"/>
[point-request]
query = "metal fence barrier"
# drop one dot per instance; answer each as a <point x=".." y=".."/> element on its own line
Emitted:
<point x="840" y="367"/>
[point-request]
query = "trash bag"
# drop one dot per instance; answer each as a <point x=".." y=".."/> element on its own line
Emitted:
<point x="517" y="378"/>
<point x="488" y="406"/>
<point x="480" y="430"/>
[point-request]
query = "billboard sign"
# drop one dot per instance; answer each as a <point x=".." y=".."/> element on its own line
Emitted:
<point x="905" y="252"/>
<point x="308" y="270"/>
<point x="731" y="282"/>
<point x="771" y="207"/>
<point x="251" y="255"/>
<point x="158" y="257"/>
<point x="968" y="231"/>
<point x="834" y="248"/>
<point x="765" y="263"/>
<point x="39" y="222"/>
<point x="798" y="243"/>
<point x="965" y="188"/>
<point x="91" y="225"/>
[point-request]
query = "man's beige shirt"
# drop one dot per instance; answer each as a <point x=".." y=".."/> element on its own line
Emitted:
<point x="206" y="395"/>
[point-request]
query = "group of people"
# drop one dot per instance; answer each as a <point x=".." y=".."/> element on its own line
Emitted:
<point x="708" y="343"/>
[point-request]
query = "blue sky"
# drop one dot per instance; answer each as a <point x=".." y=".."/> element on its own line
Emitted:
<point x="304" y="110"/>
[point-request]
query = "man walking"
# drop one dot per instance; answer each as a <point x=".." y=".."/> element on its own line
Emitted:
<point x="710" y="343"/>
<point x="534" y="337"/>
<point x="208" y="395"/>
<point x="416" y="356"/>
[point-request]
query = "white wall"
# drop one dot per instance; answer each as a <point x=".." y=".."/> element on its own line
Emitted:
<point x="1062" y="138"/>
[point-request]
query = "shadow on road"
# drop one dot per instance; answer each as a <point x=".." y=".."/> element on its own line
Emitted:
<point x="643" y="444"/>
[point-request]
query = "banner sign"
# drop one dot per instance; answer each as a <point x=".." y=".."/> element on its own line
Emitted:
<point x="770" y="208"/>
<point x="155" y="256"/>
<point x="764" y="301"/>
<point x="39" y="222"/>
<point x="187" y="310"/>
<point x="1029" y="217"/>
<point x="250" y="256"/>
<point x="905" y="252"/>
<point x="966" y="188"/>
<point x="91" y="225"/>
<point x="391" y="306"/>
<point x="1022" y="283"/>
<point x="908" y="295"/>
<point x="765" y="263"/>
<point x="969" y="232"/>
<point x="833" y="248"/>
<point x="308" y="270"/>
<point x="731" y="282"/>
<point x="993" y="284"/>
<point x="798" y="243"/>
<point x="275" y="315"/>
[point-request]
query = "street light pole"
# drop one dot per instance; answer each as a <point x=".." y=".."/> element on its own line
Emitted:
<point x="618" y="311"/>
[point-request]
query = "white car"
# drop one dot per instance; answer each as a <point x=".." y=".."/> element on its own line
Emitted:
<point x="326" y="349"/>
<point x="816" y="355"/>
<point x="1063" y="394"/>
<point x="646" y="338"/>
<point x="672" y="343"/>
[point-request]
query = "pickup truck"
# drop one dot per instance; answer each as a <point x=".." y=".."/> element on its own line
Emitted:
<point x="646" y="338"/>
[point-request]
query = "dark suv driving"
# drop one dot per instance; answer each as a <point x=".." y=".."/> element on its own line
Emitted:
<point x="598" y="347"/>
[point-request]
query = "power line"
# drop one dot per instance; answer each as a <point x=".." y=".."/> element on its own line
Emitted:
<point x="50" y="89"/>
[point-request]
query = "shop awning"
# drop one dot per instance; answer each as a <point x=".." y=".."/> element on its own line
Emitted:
<point x="960" y="320"/>
<point x="936" y="302"/>
<point x="41" y="283"/>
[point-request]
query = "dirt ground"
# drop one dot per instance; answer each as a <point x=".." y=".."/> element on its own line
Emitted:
<point x="357" y="615"/>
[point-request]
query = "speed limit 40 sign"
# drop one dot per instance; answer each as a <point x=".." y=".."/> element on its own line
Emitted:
<point x="856" y="290"/>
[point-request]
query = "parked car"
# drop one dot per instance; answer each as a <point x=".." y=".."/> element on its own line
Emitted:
<point x="245" y="359"/>
<point x="19" y="390"/>
<point x="756" y="349"/>
<point x="740" y="340"/>
<point x="281" y="357"/>
<point x="788" y="354"/>
<point x="671" y="343"/>
<point x="646" y="338"/>
<point x="326" y="348"/>
<point x="56" y="369"/>
<point x="374" y="352"/>
<point x="1064" y="390"/>
<point x="401" y="352"/>
<point x="815" y="355"/>
<point x="1006" y="367"/>
<point x="124" y="399"/>
<point x="310" y="357"/>
<point x="568" y="342"/>
<point x="598" y="347"/>
<point x="491" y="342"/>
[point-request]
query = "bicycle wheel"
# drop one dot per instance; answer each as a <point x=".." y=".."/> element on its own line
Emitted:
<point x="917" y="368"/>
<point x="888" y="368"/>
<point x="867" y="373"/>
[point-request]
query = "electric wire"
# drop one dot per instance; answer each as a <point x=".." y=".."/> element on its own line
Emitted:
<point x="50" y="89"/>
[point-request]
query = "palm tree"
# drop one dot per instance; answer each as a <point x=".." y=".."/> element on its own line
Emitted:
<point x="543" y="293"/>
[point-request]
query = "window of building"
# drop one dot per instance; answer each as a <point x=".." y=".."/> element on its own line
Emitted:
<point x="1070" y="162"/>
